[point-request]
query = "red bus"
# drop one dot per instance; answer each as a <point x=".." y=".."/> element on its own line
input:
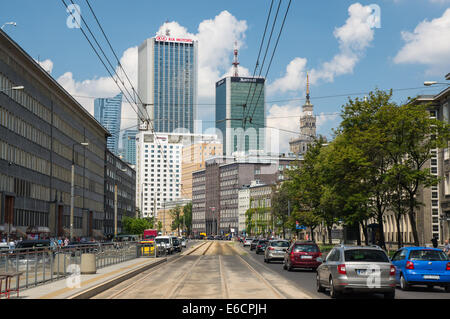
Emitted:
<point x="150" y="234"/>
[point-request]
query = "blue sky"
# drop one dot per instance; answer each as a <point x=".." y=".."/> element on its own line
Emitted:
<point x="323" y="37"/>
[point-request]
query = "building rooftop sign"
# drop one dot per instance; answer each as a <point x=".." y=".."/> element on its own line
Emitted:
<point x="164" y="38"/>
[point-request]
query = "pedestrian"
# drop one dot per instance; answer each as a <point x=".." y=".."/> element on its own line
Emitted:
<point x="447" y="247"/>
<point x="434" y="241"/>
<point x="66" y="242"/>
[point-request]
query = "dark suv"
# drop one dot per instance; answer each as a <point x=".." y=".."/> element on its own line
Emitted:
<point x="302" y="254"/>
<point x="254" y="244"/>
<point x="176" y="244"/>
<point x="261" y="246"/>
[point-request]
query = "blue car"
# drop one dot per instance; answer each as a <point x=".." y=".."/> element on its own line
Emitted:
<point x="422" y="266"/>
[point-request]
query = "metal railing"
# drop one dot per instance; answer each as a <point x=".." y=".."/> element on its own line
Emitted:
<point x="44" y="264"/>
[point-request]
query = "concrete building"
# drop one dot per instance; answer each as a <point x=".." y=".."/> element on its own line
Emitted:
<point x="108" y="111"/>
<point x="41" y="126"/>
<point x="193" y="159"/>
<point x="129" y="146"/>
<point x="166" y="218"/>
<point x="159" y="168"/>
<point x="215" y="196"/>
<point x="232" y="93"/>
<point x="120" y="174"/>
<point x="300" y="144"/>
<point x="167" y="82"/>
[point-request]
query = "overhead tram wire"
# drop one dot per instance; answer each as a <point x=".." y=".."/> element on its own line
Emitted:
<point x="101" y="60"/>
<point x="117" y="59"/>
<point x="263" y="62"/>
<point x="257" y="62"/>
<point x="271" y="59"/>
<point x="109" y="62"/>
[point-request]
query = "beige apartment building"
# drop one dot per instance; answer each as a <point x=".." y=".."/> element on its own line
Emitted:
<point x="165" y="217"/>
<point x="193" y="159"/>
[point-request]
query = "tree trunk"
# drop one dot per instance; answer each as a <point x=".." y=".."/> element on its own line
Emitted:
<point x="358" y="239"/>
<point x="382" y="242"/>
<point x="329" y="228"/>
<point x="399" y="234"/>
<point x="412" y="220"/>
<point x="312" y="233"/>
<point x="364" y="228"/>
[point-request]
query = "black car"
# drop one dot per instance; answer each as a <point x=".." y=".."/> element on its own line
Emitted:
<point x="254" y="243"/>
<point x="261" y="246"/>
<point x="218" y="237"/>
<point x="176" y="244"/>
<point x="33" y="244"/>
<point x="210" y="237"/>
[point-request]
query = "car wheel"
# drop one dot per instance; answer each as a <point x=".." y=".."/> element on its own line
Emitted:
<point x="289" y="267"/>
<point x="333" y="293"/>
<point x="389" y="295"/>
<point x="430" y="287"/>
<point x="447" y="288"/>
<point x="403" y="283"/>
<point x="320" y="288"/>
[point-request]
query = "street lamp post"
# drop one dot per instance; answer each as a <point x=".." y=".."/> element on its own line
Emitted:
<point x="9" y="23"/>
<point x="72" y="186"/>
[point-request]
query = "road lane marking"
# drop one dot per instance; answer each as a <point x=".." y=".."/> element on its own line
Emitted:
<point x="225" y="294"/>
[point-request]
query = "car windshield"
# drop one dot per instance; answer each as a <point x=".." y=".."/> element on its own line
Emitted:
<point x="428" y="255"/>
<point x="262" y="242"/>
<point x="365" y="255"/>
<point x="162" y="240"/>
<point x="306" y="249"/>
<point x="280" y="244"/>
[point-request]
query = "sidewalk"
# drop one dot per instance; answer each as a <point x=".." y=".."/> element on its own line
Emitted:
<point x="89" y="284"/>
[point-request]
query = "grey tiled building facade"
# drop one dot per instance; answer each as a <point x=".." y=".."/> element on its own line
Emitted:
<point x="39" y="125"/>
<point x="119" y="173"/>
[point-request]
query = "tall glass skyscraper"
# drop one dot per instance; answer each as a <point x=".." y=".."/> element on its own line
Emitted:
<point x="129" y="146"/>
<point x="231" y="95"/>
<point x="167" y="82"/>
<point x="108" y="112"/>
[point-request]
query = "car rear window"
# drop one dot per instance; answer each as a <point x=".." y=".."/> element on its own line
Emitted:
<point x="280" y="244"/>
<point x="365" y="255"/>
<point x="306" y="249"/>
<point x="162" y="240"/>
<point x="262" y="242"/>
<point x="428" y="255"/>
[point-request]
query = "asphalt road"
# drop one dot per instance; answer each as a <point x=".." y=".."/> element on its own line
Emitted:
<point x="306" y="279"/>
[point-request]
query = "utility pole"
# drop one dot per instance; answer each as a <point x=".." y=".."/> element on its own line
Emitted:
<point x="115" y="208"/>
<point x="289" y="215"/>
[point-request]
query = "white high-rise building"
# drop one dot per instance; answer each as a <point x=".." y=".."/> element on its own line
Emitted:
<point x="159" y="168"/>
<point x="167" y="82"/>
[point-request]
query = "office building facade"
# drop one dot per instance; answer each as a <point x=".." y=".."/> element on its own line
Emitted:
<point x="167" y="82"/>
<point x="232" y="93"/>
<point x="129" y="146"/>
<point x="108" y="111"/>
<point x="215" y="191"/>
<point x="118" y="174"/>
<point x="40" y="127"/>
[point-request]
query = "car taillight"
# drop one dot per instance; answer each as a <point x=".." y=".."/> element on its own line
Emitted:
<point x="320" y="254"/>
<point x="392" y="273"/>
<point x="448" y="266"/>
<point x="409" y="265"/>
<point x="271" y="248"/>
<point x="259" y="246"/>
<point x="341" y="269"/>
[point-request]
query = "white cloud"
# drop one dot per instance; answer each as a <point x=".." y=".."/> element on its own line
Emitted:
<point x="440" y="1"/>
<point x="354" y="37"/>
<point x="47" y="65"/>
<point x="428" y="44"/>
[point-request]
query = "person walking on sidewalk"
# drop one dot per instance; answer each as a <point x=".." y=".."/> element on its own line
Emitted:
<point x="447" y="247"/>
<point x="434" y="241"/>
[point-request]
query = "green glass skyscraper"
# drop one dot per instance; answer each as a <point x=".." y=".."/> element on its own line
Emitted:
<point x="240" y="113"/>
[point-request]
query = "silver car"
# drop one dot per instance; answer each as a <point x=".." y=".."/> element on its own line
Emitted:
<point x="275" y="250"/>
<point x="357" y="269"/>
<point x="248" y="241"/>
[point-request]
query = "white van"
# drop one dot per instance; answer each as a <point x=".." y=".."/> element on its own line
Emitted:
<point x="165" y="242"/>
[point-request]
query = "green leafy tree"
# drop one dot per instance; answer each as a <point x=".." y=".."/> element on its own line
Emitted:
<point x="187" y="217"/>
<point x="136" y="226"/>
<point x="175" y="213"/>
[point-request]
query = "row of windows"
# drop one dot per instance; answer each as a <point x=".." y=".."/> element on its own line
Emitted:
<point x="19" y="126"/>
<point x="30" y="218"/>
<point x="18" y="156"/>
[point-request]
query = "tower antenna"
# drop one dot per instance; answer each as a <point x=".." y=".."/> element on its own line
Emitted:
<point x="235" y="62"/>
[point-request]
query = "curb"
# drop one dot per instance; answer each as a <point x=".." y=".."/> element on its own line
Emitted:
<point x="93" y="291"/>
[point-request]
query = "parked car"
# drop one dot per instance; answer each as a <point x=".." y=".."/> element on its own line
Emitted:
<point x="218" y="237"/>
<point x="176" y="244"/>
<point x="356" y="269"/>
<point x="275" y="250"/>
<point x="184" y="242"/>
<point x="254" y="243"/>
<point x="247" y="241"/>
<point x="210" y="237"/>
<point x="421" y="266"/>
<point x="261" y="246"/>
<point x="302" y="254"/>
<point x="164" y="243"/>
